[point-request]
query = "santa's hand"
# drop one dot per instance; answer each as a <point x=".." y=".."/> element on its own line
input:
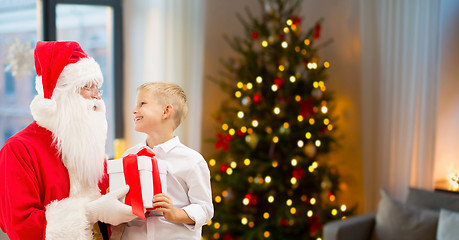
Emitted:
<point x="109" y="209"/>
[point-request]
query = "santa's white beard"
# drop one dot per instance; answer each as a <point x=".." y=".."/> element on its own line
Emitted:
<point x="79" y="130"/>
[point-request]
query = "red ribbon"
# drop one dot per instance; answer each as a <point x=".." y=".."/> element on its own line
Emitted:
<point x="131" y="175"/>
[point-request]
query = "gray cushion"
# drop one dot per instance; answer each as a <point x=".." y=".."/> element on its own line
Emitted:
<point x="448" y="223"/>
<point x="433" y="200"/>
<point x="398" y="221"/>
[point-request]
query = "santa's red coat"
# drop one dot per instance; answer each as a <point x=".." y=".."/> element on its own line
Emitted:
<point x="32" y="175"/>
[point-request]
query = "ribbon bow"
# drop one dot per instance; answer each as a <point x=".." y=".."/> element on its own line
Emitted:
<point x="131" y="174"/>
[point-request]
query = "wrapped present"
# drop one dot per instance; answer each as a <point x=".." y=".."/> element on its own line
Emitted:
<point x="145" y="175"/>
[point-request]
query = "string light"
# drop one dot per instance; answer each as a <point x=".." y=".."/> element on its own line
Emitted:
<point x="212" y="162"/>
<point x="274" y="87"/>
<point x="267" y="179"/>
<point x="294" y="162"/>
<point x="307" y="42"/>
<point x="312" y="201"/>
<point x="259" y="79"/>
<point x="281" y="68"/>
<point x="264" y="43"/>
<point x="318" y="143"/>
<point x="324" y="109"/>
<point x="326" y="64"/>
<point x="240" y="114"/>
<point x="232" y="131"/>
<point x="244" y="221"/>
<point x="289" y="22"/>
<point x="289" y="202"/>
<point x="292" y="79"/>
<point x="293" y="180"/>
<point x="300" y="143"/>
<point x="286" y="30"/>
<point x="249" y="86"/>
<point x="271" y="199"/>
<point x="247" y="162"/>
<point x="233" y="164"/>
<point x="310" y="213"/>
<point x="284" y="44"/>
<point x="255" y="123"/>
<point x="343" y="208"/>
<point x="239" y="85"/>
<point x="237" y="94"/>
<point x="276" y="110"/>
<point x="300" y="118"/>
<point x="266" y="215"/>
<point x="308" y="135"/>
<point x="218" y="199"/>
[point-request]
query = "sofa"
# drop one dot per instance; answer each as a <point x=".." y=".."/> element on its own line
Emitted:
<point x="425" y="214"/>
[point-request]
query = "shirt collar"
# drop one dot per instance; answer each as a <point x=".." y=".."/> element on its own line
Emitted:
<point x="165" y="146"/>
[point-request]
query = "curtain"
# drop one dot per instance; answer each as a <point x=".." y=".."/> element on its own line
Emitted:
<point x="164" y="42"/>
<point x="400" y="52"/>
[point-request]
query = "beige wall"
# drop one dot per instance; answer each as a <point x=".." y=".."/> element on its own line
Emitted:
<point x="341" y="23"/>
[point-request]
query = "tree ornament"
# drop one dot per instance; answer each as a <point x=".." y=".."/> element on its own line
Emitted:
<point x="317" y="31"/>
<point x="252" y="140"/>
<point x="255" y="35"/>
<point x="310" y="149"/>
<point x="257" y="98"/>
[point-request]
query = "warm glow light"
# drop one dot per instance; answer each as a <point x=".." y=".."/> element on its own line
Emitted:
<point x="255" y="123"/>
<point x="293" y="181"/>
<point x="330" y="127"/>
<point x="318" y="143"/>
<point x="266" y="215"/>
<point x="224" y="126"/>
<point x="212" y="162"/>
<point x="294" y="162"/>
<point x="218" y="199"/>
<point x="245" y="201"/>
<point x="281" y="68"/>
<point x="300" y="118"/>
<point x="244" y="221"/>
<point x="312" y="201"/>
<point x="312" y="121"/>
<point x="249" y="85"/>
<point x="297" y="98"/>
<point x="334" y="212"/>
<point x="259" y="79"/>
<point x="270" y="199"/>
<point x="284" y="44"/>
<point x="239" y="85"/>
<point x="289" y="202"/>
<point x="292" y="210"/>
<point x="289" y="22"/>
<point x="454" y="182"/>
<point x="232" y="131"/>
<point x="307" y="42"/>
<point x="332" y="198"/>
<point x="286" y="125"/>
<point x="343" y="208"/>
<point x="326" y="64"/>
<point x="274" y="87"/>
<point x="275" y="139"/>
<point x="264" y="43"/>
<point x="217" y="225"/>
<point x="324" y="109"/>
<point x="292" y="79"/>
<point x="310" y="213"/>
<point x="286" y="30"/>
<point x="275" y="164"/>
<point x="266" y="234"/>
<point x="308" y="135"/>
<point x="240" y="114"/>
<point x="233" y="164"/>
<point x="276" y="110"/>
<point x="267" y="179"/>
<point x="229" y="171"/>
<point x="243" y="129"/>
<point x="247" y="162"/>
<point x="300" y="143"/>
<point x="237" y="94"/>
<point x="326" y="121"/>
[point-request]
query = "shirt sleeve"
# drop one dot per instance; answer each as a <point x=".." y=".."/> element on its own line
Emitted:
<point x="201" y="209"/>
<point x="21" y="212"/>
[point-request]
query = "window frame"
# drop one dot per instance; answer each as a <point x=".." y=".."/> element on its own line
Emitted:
<point x="49" y="34"/>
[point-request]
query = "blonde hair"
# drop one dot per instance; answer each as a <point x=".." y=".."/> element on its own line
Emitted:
<point x="168" y="93"/>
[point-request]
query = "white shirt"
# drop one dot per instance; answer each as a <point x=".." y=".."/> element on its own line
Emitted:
<point x="188" y="185"/>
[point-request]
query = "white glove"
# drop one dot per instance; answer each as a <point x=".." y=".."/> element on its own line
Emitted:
<point x="109" y="209"/>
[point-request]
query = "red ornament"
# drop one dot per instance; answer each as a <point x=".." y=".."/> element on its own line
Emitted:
<point x="223" y="141"/>
<point x="317" y="31"/>
<point x="296" y="20"/>
<point x="314" y="225"/>
<point x="279" y="82"/>
<point x="224" y="167"/>
<point x="257" y="98"/>
<point x="306" y="107"/>
<point x="255" y="35"/>
<point x="228" y="236"/>
<point x="239" y="133"/>
<point x="298" y="173"/>
<point x="281" y="36"/>
<point x="283" y="222"/>
<point x="253" y="199"/>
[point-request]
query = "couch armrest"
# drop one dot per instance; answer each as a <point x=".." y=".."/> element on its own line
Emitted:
<point x="357" y="227"/>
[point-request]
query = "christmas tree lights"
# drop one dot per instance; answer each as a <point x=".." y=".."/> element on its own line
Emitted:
<point x="270" y="176"/>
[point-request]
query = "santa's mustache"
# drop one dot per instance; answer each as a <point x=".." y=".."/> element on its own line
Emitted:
<point x="96" y="105"/>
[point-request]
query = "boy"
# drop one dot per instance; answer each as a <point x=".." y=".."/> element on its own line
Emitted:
<point x="186" y="204"/>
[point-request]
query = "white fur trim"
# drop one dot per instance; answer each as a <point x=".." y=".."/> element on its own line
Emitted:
<point x="66" y="219"/>
<point x="41" y="109"/>
<point x="80" y="73"/>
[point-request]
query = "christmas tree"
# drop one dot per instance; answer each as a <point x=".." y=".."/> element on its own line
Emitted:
<point x="270" y="177"/>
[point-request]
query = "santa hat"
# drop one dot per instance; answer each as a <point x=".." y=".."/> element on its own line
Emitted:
<point x="62" y="68"/>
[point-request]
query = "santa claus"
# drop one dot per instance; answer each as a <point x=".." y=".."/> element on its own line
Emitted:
<point x="52" y="172"/>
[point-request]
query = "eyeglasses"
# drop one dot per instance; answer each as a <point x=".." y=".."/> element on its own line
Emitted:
<point x="93" y="89"/>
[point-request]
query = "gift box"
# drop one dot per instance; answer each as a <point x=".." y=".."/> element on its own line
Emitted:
<point x="117" y="178"/>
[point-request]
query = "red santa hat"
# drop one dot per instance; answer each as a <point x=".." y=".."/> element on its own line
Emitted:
<point x="63" y="68"/>
<point x="51" y="58"/>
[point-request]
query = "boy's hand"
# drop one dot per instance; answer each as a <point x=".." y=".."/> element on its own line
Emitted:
<point x="164" y="204"/>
